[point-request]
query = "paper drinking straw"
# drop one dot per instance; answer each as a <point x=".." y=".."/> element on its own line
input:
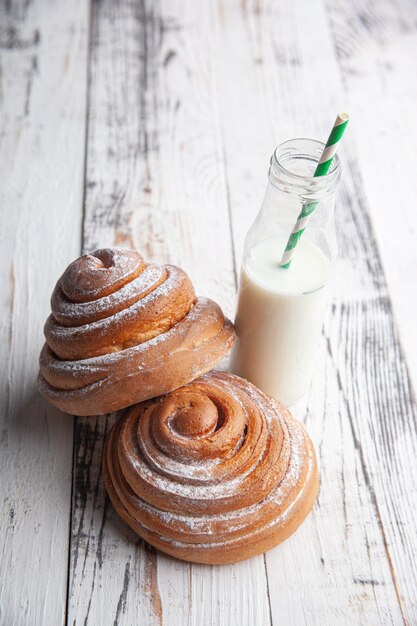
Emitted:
<point x="322" y="168"/>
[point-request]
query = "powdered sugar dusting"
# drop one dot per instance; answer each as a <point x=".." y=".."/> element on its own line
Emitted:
<point x="201" y="314"/>
<point x="158" y="365"/>
<point x="183" y="497"/>
<point x="174" y="281"/>
<point x="70" y="313"/>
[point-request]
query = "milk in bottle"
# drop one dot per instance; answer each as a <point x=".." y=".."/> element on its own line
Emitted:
<point x="280" y="312"/>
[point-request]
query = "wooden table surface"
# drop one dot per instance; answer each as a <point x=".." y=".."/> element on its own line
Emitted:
<point x="150" y="124"/>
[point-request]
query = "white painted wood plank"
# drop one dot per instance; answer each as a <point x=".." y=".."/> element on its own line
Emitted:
<point x="42" y="111"/>
<point x="155" y="181"/>
<point x="354" y="559"/>
<point x="376" y="45"/>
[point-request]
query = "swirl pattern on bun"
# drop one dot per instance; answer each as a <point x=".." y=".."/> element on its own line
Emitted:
<point x="214" y="472"/>
<point x="123" y="330"/>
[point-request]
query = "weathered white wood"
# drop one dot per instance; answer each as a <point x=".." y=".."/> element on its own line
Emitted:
<point x="354" y="559"/>
<point x="155" y="180"/>
<point x="42" y="111"/>
<point x="376" y="44"/>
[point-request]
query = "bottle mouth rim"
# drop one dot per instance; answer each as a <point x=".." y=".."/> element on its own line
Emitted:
<point x="306" y="149"/>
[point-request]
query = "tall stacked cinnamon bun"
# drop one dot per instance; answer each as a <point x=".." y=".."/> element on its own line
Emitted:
<point x="123" y="330"/>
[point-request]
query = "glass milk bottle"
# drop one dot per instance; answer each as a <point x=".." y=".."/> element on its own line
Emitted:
<point x="280" y="311"/>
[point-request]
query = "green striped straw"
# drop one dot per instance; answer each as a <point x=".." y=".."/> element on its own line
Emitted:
<point x="322" y="168"/>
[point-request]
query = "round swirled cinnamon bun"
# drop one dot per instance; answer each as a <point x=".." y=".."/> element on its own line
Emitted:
<point x="123" y="330"/>
<point x="214" y="472"/>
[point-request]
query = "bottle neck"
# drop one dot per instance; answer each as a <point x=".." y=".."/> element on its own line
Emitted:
<point x="291" y="188"/>
<point x="292" y="169"/>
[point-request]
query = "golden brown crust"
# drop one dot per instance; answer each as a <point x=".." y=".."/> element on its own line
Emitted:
<point x="214" y="472"/>
<point x="122" y="331"/>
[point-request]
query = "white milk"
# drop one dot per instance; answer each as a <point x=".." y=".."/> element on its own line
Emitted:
<point x="280" y="317"/>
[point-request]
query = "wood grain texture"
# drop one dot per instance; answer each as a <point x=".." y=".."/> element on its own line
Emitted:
<point x="42" y="110"/>
<point x="376" y="48"/>
<point x="191" y="116"/>
<point x="155" y="181"/>
<point x="186" y="103"/>
<point x="356" y="556"/>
